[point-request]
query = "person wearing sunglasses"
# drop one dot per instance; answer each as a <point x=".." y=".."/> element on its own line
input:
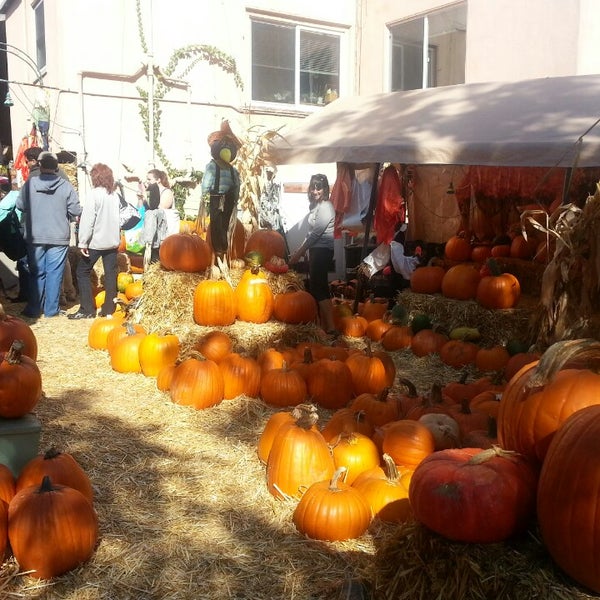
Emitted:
<point x="319" y="244"/>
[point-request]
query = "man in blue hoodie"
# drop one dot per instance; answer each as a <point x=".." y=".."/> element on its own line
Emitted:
<point x="48" y="203"/>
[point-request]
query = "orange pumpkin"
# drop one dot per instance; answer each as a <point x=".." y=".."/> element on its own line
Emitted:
<point x="540" y="397"/>
<point x="267" y="243"/>
<point x="20" y="382"/>
<point x="498" y="290"/>
<point x="460" y="282"/>
<point x="253" y="297"/>
<point x="14" y="328"/>
<point x="197" y="383"/>
<point x="457" y="248"/>
<point x="408" y="442"/>
<point x="427" y="280"/>
<point x="157" y="351"/>
<point x="214" y="303"/>
<point x="185" y="252"/>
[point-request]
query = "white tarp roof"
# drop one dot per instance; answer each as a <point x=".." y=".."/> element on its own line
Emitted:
<point x="533" y="122"/>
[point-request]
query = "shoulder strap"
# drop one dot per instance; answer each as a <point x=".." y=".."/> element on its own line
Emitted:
<point x="217" y="182"/>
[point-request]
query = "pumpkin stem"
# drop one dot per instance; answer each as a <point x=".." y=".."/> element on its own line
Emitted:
<point x="490" y="453"/>
<point x="305" y="415"/>
<point x="13" y="356"/>
<point x="412" y="390"/>
<point x="390" y="468"/>
<point x="333" y="484"/>
<point x="46" y="485"/>
<point x="576" y="354"/>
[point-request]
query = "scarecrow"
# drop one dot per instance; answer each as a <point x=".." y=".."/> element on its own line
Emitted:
<point x="221" y="181"/>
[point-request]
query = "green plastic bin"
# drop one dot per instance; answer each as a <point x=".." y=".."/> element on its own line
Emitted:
<point x="19" y="441"/>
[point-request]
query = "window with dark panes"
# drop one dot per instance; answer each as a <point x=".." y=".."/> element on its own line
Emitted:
<point x="294" y="65"/>
<point x="429" y="51"/>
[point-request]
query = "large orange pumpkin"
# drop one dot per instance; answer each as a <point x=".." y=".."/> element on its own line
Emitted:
<point x="20" y="382"/>
<point x="214" y="303"/>
<point x="13" y="328"/>
<point x="567" y="499"/>
<point x="197" y="383"/>
<point x="540" y="397"/>
<point x="267" y="243"/>
<point x="253" y="297"/>
<point x="185" y="252"/>
<point x="457" y="248"/>
<point x="427" y="280"/>
<point x="460" y="282"/>
<point x="299" y="455"/>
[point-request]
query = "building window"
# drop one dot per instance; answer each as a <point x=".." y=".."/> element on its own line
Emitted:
<point x="294" y="65"/>
<point x="429" y="51"/>
<point x="40" y="35"/>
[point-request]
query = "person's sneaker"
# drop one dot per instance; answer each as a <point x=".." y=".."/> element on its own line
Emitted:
<point x="81" y="315"/>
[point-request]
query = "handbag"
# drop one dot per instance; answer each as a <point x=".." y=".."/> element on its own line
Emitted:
<point x="129" y="215"/>
<point x="11" y="238"/>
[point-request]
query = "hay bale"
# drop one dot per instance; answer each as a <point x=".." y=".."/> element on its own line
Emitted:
<point x="496" y="326"/>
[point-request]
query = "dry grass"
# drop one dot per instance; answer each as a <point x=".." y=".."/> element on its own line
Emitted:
<point x="184" y="510"/>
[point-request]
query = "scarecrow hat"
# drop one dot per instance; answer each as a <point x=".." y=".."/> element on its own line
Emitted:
<point x="224" y="133"/>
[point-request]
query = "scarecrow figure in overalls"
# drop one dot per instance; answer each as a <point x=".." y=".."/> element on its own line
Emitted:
<point x="221" y="181"/>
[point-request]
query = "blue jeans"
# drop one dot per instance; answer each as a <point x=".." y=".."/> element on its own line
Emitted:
<point x="46" y="268"/>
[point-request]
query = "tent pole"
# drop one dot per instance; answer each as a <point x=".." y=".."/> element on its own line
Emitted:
<point x="368" y="221"/>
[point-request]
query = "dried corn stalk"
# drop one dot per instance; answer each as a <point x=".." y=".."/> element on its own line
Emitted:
<point x="570" y="292"/>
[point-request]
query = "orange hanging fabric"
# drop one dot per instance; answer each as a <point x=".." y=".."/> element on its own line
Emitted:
<point x="391" y="207"/>
<point x="341" y="196"/>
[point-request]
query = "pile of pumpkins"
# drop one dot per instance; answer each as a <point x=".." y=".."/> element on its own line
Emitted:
<point x="47" y="516"/>
<point x="397" y="456"/>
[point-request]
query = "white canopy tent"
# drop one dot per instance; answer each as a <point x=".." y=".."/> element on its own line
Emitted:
<point x="552" y="122"/>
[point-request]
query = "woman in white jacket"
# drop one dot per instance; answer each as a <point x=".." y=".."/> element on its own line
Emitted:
<point x="99" y="237"/>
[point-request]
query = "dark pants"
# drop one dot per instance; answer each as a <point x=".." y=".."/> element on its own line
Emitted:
<point x="23" y="271"/>
<point x="84" y="270"/>
<point x="220" y="209"/>
<point x="319" y="263"/>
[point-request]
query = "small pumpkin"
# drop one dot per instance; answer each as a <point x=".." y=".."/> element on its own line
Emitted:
<point x="197" y="382"/>
<point x="157" y="351"/>
<point x="332" y="510"/>
<point x="427" y="280"/>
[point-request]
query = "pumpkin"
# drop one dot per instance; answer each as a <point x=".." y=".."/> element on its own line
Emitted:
<point x="3" y="528"/>
<point x="165" y="377"/>
<point x="427" y="342"/>
<point x="51" y="529"/>
<point x="267" y="242"/>
<point x="295" y="306"/>
<point x="214" y="303"/>
<point x="125" y="353"/>
<point x="487" y="402"/>
<point x="498" y="290"/>
<point x="253" y="297"/>
<point x="480" y="254"/>
<point x="157" y="351"/>
<point x="427" y="280"/>
<point x="101" y="327"/>
<point x="347" y="420"/>
<point x="20" y="382"/>
<point x="408" y="442"/>
<point x="265" y="441"/>
<point x="283" y="387"/>
<point x="370" y="373"/>
<point x="500" y="251"/>
<point x="523" y="248"/>
<point x="241" y="376"/>
<point x="387" y="494"/>
<point x="185" y="252"/>
<point x="445" y="430"/>
<point x="379" y="409"/>
<point x="353" y="326"/>
<point x="299" y="455"/>
<point x="538" y="399"/>
<point x="215" y="345"/>
<point x="329" y="383"/>
<point x="482" y="438"/>
<point x="492" y="359"/>
<point x="468" y="419"/>
<point x="373" y="308"/>
<point x="567" y="499"/>
<point x="7" y="484"/>
<point x="460" y="282"/>
<point x="355" y="451"/>
<point x="101" y="295"/>
<point x="457" y="248"/>
<point x="451" y="492"/>
<point x="332" y="511"/>
<point x="13" y="328"/>
<point x="123" y="329"/>
<point x="397" y="337"/>
<point x="123" y="280"/>
<point x="517" y="362"/>
<point x="61" y="467"/>
<point x="197" y="383"/>
<point x="458" y="354"/>
<point x="376" y="329"/>
<point x="134" y="289"/>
